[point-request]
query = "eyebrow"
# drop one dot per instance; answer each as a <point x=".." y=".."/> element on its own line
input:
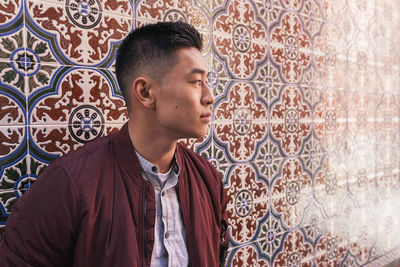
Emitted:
<point x="196" y="70"/>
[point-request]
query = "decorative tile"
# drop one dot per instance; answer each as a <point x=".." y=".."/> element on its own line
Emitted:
<point x="331" y="248"/>
<point x="216" y="154"/>
<point x="240" y="121"/>
<point x="268" y="82"/>
<point x="311" y="16"/>
<point x="296" y="252"/>
<point x="239" y="39"/>
<point x="247" y="255"/>
<point x="290" y="120"/>
<point x="330" y="55"/>
<point x="269" y="11"/>
<point x="157" y="10"/>
<point x="305" y="123"/>
<point x="291" y="192"/>
<point x="10" y="15"/>
<point x="330" y="119"/>
<point x="80" y="102"/>
<point x="247" y="203"/>
<point x="271" y="236"/>
<point x="81" y="35"/>
<point x="290" y="47"/>
<point x="269" y="160"/>
<point x="330" y="185"/>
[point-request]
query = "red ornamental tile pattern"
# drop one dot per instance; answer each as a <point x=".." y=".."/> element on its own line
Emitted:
<point x="240" y="39"/>
<point x="83" y="99"/>
<point x="290" y="47"/>
<point x="11" y="138"/>
<point x="291" y="192"/>
<point x="158" y="10"/>
<point x="291" y="120"/>
<point x="330" y="119"/>
<point x="305" y="124"/>
<point x="296" y="252"/>
<point x="239" y="121"/>
<point x="9" y="10"/>
<point x="84" y="30"/>
<point x="247" y="256"/>
<point x="246" y="203"/>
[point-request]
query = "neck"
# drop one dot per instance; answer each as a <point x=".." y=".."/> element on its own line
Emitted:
<point x="155" y="148"/>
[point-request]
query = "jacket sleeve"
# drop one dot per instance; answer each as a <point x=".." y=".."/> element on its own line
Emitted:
<point x="224" y="237"/>
<point x="41" y="228"/>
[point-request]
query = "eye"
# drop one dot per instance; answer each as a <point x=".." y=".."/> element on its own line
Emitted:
<point x="197" y="82"/>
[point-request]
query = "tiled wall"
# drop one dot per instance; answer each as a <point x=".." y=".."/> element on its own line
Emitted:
<point x="306" y="123"/>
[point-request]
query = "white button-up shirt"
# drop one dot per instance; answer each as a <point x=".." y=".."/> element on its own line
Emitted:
<point x="170" y="246"/>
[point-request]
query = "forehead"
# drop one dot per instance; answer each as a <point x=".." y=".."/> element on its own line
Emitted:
<point x="190" y="60"/>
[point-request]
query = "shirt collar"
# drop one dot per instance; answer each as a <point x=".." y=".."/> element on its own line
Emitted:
<point x="149" y="167"/>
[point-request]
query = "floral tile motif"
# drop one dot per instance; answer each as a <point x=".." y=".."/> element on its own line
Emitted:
<point x="360" y="58"/>
<point x="269" y="11"/>
<point x="245" y="256"/>
<point x="271" y="236"/>
<point x="247" y="203"/>
<point x="314" y="222"/>
<point x="16" y="179"/>
<point x="388" y="119"/>
<point x="216" y="154"/>
<point x="80" y="101"/>
<point x="347" y="25"/>
<point x="330" y="55"/>
<point x="31" y="63"/>
<point x="360" y="123"/>
<point x="331" y="248"/>
<point x="269" y="160"/>
<point x="268" y="82"/>
<point x="330" y="119"/>
<point x="365" y="11"/>
<point x="10" y="11"/>
<point x="290" y="120"/>
<point x="290" y="47"/>
<point x="239" y="121"/>
<point x="291" y="192"/>
<point x="331" y="8"/>
<point x="217" y="78"/>
<point x="311" y="16"/>
<point x="296" y="252"/>
<point x="80" y="32"/>
<point x="239" y="39"/>
<point x="292" y="4"/>
<point x="157" y="10"/>
<point x="312" y="86"/>
<point x="313" y="155"/>
<point x="330" y="185"/>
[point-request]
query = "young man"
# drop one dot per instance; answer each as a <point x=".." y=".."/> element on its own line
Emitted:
<point x="137" y="197"/>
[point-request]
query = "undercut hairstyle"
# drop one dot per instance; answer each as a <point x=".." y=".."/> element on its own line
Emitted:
<point x="151" y="50"/>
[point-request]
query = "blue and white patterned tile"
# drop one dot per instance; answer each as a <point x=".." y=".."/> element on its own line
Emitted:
<point x="239" y="39"/>
<point x="240" y="121"/>
<point x="79" y="41"/>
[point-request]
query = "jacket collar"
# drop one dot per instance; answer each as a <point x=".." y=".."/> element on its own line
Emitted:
<point x="125" y="152"/>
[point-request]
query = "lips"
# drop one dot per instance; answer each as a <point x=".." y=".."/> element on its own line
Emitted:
<point x="206" y="117"/>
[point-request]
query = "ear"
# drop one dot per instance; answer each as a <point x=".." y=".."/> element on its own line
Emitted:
<point x="142" y="91"/>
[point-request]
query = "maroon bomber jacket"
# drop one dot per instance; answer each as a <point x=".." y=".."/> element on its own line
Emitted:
<point x="93" y="208"/>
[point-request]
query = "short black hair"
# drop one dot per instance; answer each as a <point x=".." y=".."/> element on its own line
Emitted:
<point x="151" y="49"/>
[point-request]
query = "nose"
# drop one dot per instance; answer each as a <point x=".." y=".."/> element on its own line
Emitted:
<point x="207" y="96"/>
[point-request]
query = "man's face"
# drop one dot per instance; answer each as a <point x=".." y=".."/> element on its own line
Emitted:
<point x="183" y="99"/>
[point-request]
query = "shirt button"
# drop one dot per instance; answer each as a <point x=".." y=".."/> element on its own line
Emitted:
<point x="166" y="235"/>
<point x="163" y="194"/>
<point x="154" y="168"/>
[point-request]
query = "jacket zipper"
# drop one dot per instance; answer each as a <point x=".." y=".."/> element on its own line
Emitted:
<point x="144" y="224"/>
